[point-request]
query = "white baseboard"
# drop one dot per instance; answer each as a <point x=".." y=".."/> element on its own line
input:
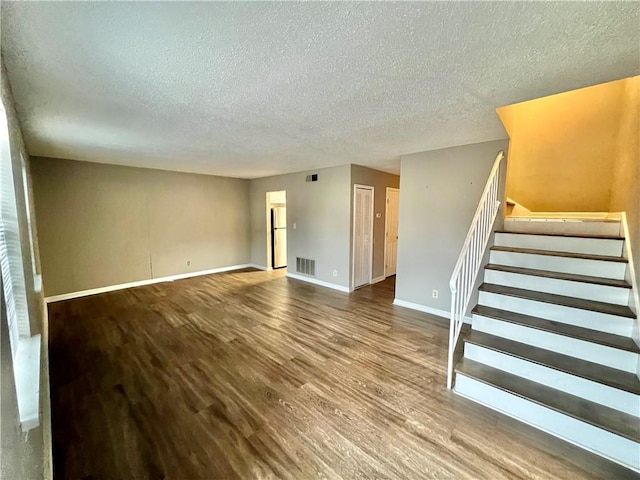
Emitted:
<point x="421" y="308"/>
<point x="150" y="281"/>
<point x="318" y="282"/>
<point x="426" y="309"/>
<point x="377" y="279"/>
<point x="259" y="267"/>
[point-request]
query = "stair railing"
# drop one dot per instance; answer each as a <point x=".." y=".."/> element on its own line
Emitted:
<point x="469" y="262"/>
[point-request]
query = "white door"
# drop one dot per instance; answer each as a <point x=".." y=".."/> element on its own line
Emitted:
<point x="391" y="232"/>
<point x="362" y="235"/>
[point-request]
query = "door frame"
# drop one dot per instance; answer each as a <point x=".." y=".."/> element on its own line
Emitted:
<point x="353" y="235"/>
<point x="269" y="235"/>
<point x="386" y="225"/>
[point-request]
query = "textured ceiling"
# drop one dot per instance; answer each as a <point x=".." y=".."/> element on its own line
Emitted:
<point x="254" y="89"/>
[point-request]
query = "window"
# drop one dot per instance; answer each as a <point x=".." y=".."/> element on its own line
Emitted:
<point x="27" y="201"/>
<point x="10" y="248"/>
<point x="25" y="347"/>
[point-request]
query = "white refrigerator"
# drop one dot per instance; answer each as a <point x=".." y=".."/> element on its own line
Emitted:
<point x="279" y="237"/>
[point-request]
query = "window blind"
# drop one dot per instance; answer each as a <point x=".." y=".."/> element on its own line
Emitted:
<point x="10" y="248"/>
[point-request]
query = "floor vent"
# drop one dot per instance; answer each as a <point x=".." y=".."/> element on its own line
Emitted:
<point x="306" y="266"/>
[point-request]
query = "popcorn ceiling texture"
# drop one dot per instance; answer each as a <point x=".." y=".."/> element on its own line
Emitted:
<point x="255" y="89"/>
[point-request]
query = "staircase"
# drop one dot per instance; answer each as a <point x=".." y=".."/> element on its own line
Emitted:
<point x="551" y="339"/>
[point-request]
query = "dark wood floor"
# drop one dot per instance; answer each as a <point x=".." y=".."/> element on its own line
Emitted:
<point x="253" y="375"/>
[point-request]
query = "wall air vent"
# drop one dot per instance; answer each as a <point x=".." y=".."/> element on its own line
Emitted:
<point x="306" y="266"/>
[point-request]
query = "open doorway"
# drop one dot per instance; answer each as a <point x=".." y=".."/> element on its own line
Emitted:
<point x="362" y="235"/>
<point x="391" y="231"/>
<point x="276" y="229"/>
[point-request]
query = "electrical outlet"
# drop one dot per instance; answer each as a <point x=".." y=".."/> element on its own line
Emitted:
<point x="434" y="293"/>
<point x="335" y="273"/>
<point x="188" y="263"/>
<point x="295" y="225"/>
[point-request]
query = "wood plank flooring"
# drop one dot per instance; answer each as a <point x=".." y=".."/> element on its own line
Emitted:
<point x="250" y="374"/>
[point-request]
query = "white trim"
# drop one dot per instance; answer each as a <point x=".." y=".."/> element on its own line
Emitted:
<point x="386" y="228"/>
<point x="424" y="308"/>
<point x="377" y="279"/>
<point x="259" y="267"/>
<point x="27" y="378"/>
<point x="628" y="255"/>
<point x="150" y="281"/>
<point x="267" y="203"/>
<point x="568" y="216"/>
<point x="315" y="281"/>
<point x="353" y="234"/>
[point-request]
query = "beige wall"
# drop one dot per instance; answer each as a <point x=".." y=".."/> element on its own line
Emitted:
<point x="321" y="213"/>
<point x="563" y="148"/>
<point x="380" y="181"/>
<point x="198" y="218"/>
<point x="439" y="194"/>
<point x="174" y="218"/>
<point x="103" y="225"/>
<point x="625" y="192"/>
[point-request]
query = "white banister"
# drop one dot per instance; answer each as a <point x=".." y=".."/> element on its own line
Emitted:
<point x="469" y="262"/>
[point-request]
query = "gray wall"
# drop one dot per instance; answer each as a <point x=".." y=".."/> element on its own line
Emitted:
<point x="103" y="225"/>
<point x="23" y="455"/>
<point x="439" y="193"/>
<point x="321" y="212"/>
<point x="380" y="181"/>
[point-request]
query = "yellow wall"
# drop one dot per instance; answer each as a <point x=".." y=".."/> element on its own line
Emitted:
<point x="625" y="191"/>
<point x="569" y="152"/>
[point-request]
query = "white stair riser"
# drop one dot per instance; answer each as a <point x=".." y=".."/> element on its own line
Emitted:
<point x="573" y="316"/>
<point x="587" y="246"/>
<point x="619" y="449"/>
<point x="592" y="352"/>
<point x="578" y="266"/>
<point x="571" y="227"/>
<point x="567" y="288"/>
<point x="593" y="391"/>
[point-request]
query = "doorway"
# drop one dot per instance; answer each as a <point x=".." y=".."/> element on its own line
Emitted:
<point x="362" y="235"/>
<point x="391" y="232"/>
<point x="276" y="229"/>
